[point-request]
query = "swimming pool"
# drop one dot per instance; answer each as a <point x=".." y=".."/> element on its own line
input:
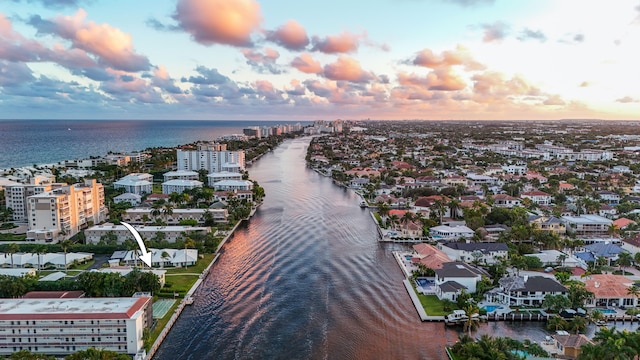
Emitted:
<point x="491" y="308"/>
<point x="607" y="311"/>
<point x="408" y="257"/>
<point x="424" y="283"/>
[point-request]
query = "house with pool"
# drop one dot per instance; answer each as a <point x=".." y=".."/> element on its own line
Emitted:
<point x="485" y="253"/>
<point x="527" y="290"/>
<point x="609" y="290"/>
<point x="456" y="276"/>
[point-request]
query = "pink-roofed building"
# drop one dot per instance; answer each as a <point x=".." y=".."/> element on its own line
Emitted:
<point x="609" y="290"/>
<point x="429" y="256"/>
<point x="623" y="223"/>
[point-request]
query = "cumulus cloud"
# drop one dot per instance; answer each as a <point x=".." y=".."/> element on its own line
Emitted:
<point x="263" y="62"/>
<point x="208" y="76"/>
<point x="444" y="80"/>
<point x="348" y="69"/>
<point x="113" y="47"/>
<point x="529" y="34"/>
<point x="291" y="35"/>
<point x="334" y="44"/>
<point x="627" y="99"/>
<point x="306" y="64"/>
<point x="495" y="32"/>
<point x="491" y="86"/>
<point x="219" y="21"/>
<point x="162" y="80"/>
<point x="459" y="56"/>
<point x="14" y="73"/>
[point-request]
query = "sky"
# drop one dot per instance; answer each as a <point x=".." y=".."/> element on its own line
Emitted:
<point x="330" y="59"/>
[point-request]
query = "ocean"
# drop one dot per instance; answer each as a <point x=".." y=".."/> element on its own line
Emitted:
<point x="28" y="142"/>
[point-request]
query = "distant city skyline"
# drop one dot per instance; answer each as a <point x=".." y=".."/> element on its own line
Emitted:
<point x="277" y="60"/>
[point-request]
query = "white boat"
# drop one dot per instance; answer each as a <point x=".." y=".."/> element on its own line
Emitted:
<point x="458" y="317"/>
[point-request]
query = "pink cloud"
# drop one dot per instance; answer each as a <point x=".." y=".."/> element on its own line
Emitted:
<point x="15" y="47"/>
<point x="219" y="21"/>
<point x="346" y="68"/>
<point x="459" y="56"/>
<point x="306" y="64"/>
<point x="291" y="35"/>
<point x="113" y="47"/>
<point x="444" y="80"/>
<point x="263" y="62"/>
<point x="342" y="43"/>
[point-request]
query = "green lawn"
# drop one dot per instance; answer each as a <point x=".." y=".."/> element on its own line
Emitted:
<point x="179" y="284"/>
<point x="432" y="305"/>
<point x="84" y="266"/>
<point x="12" y="237"/>
<point x="197" y="269"/>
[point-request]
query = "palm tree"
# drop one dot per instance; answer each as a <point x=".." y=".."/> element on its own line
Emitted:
<point x="624" y="260"/>
<point x="613" y="230"/>
<point x="454" y="206"/>
<point x="167" y="211"/>
<point x="65" y="246"/>
<point x="12" y="249"/>
<point x="472" y="321"/>
<point x="188" y="243"/>
<point x="635" y="292"/>
<point x="39" y="249"/>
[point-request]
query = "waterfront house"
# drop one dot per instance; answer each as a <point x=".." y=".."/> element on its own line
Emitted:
<point x="568" y="345"/>
<point x="527" y="290"/>
<point x="455" y="276"/>
<point x="444" y="232"/>
<point x="223" y="175"/>
<point x="429" y="256"/>
<point x="358" y="183"/>
<point x="484" y="253"/>
<point x="609" y="290"/>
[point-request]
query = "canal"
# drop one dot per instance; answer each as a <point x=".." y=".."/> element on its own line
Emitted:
<point x="307" y="279"/>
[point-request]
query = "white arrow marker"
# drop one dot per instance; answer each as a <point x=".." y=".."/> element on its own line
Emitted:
<point x="146" y="256"/>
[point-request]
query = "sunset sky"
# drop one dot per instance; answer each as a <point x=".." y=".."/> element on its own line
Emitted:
<point x="305" y="60"/>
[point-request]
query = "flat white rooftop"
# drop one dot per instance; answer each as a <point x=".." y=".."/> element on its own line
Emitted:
<point x="84" y="308"/>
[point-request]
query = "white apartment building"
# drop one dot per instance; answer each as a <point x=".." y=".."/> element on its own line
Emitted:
<point x="223" y="175"/>
<point x="132" y="199"/>
<point x="64" y="326"/>
<point x="135" y="183"/>
<point x="224" y="185"/>
<point x="65" y="211"/>
<point x="179" y="186"/>
<point x="136" y="216"/>
<point x="171" y="233"/>
<point x="16" y="197"/>
<point x="213" y="157"/>
<point x="181" y="175"/>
